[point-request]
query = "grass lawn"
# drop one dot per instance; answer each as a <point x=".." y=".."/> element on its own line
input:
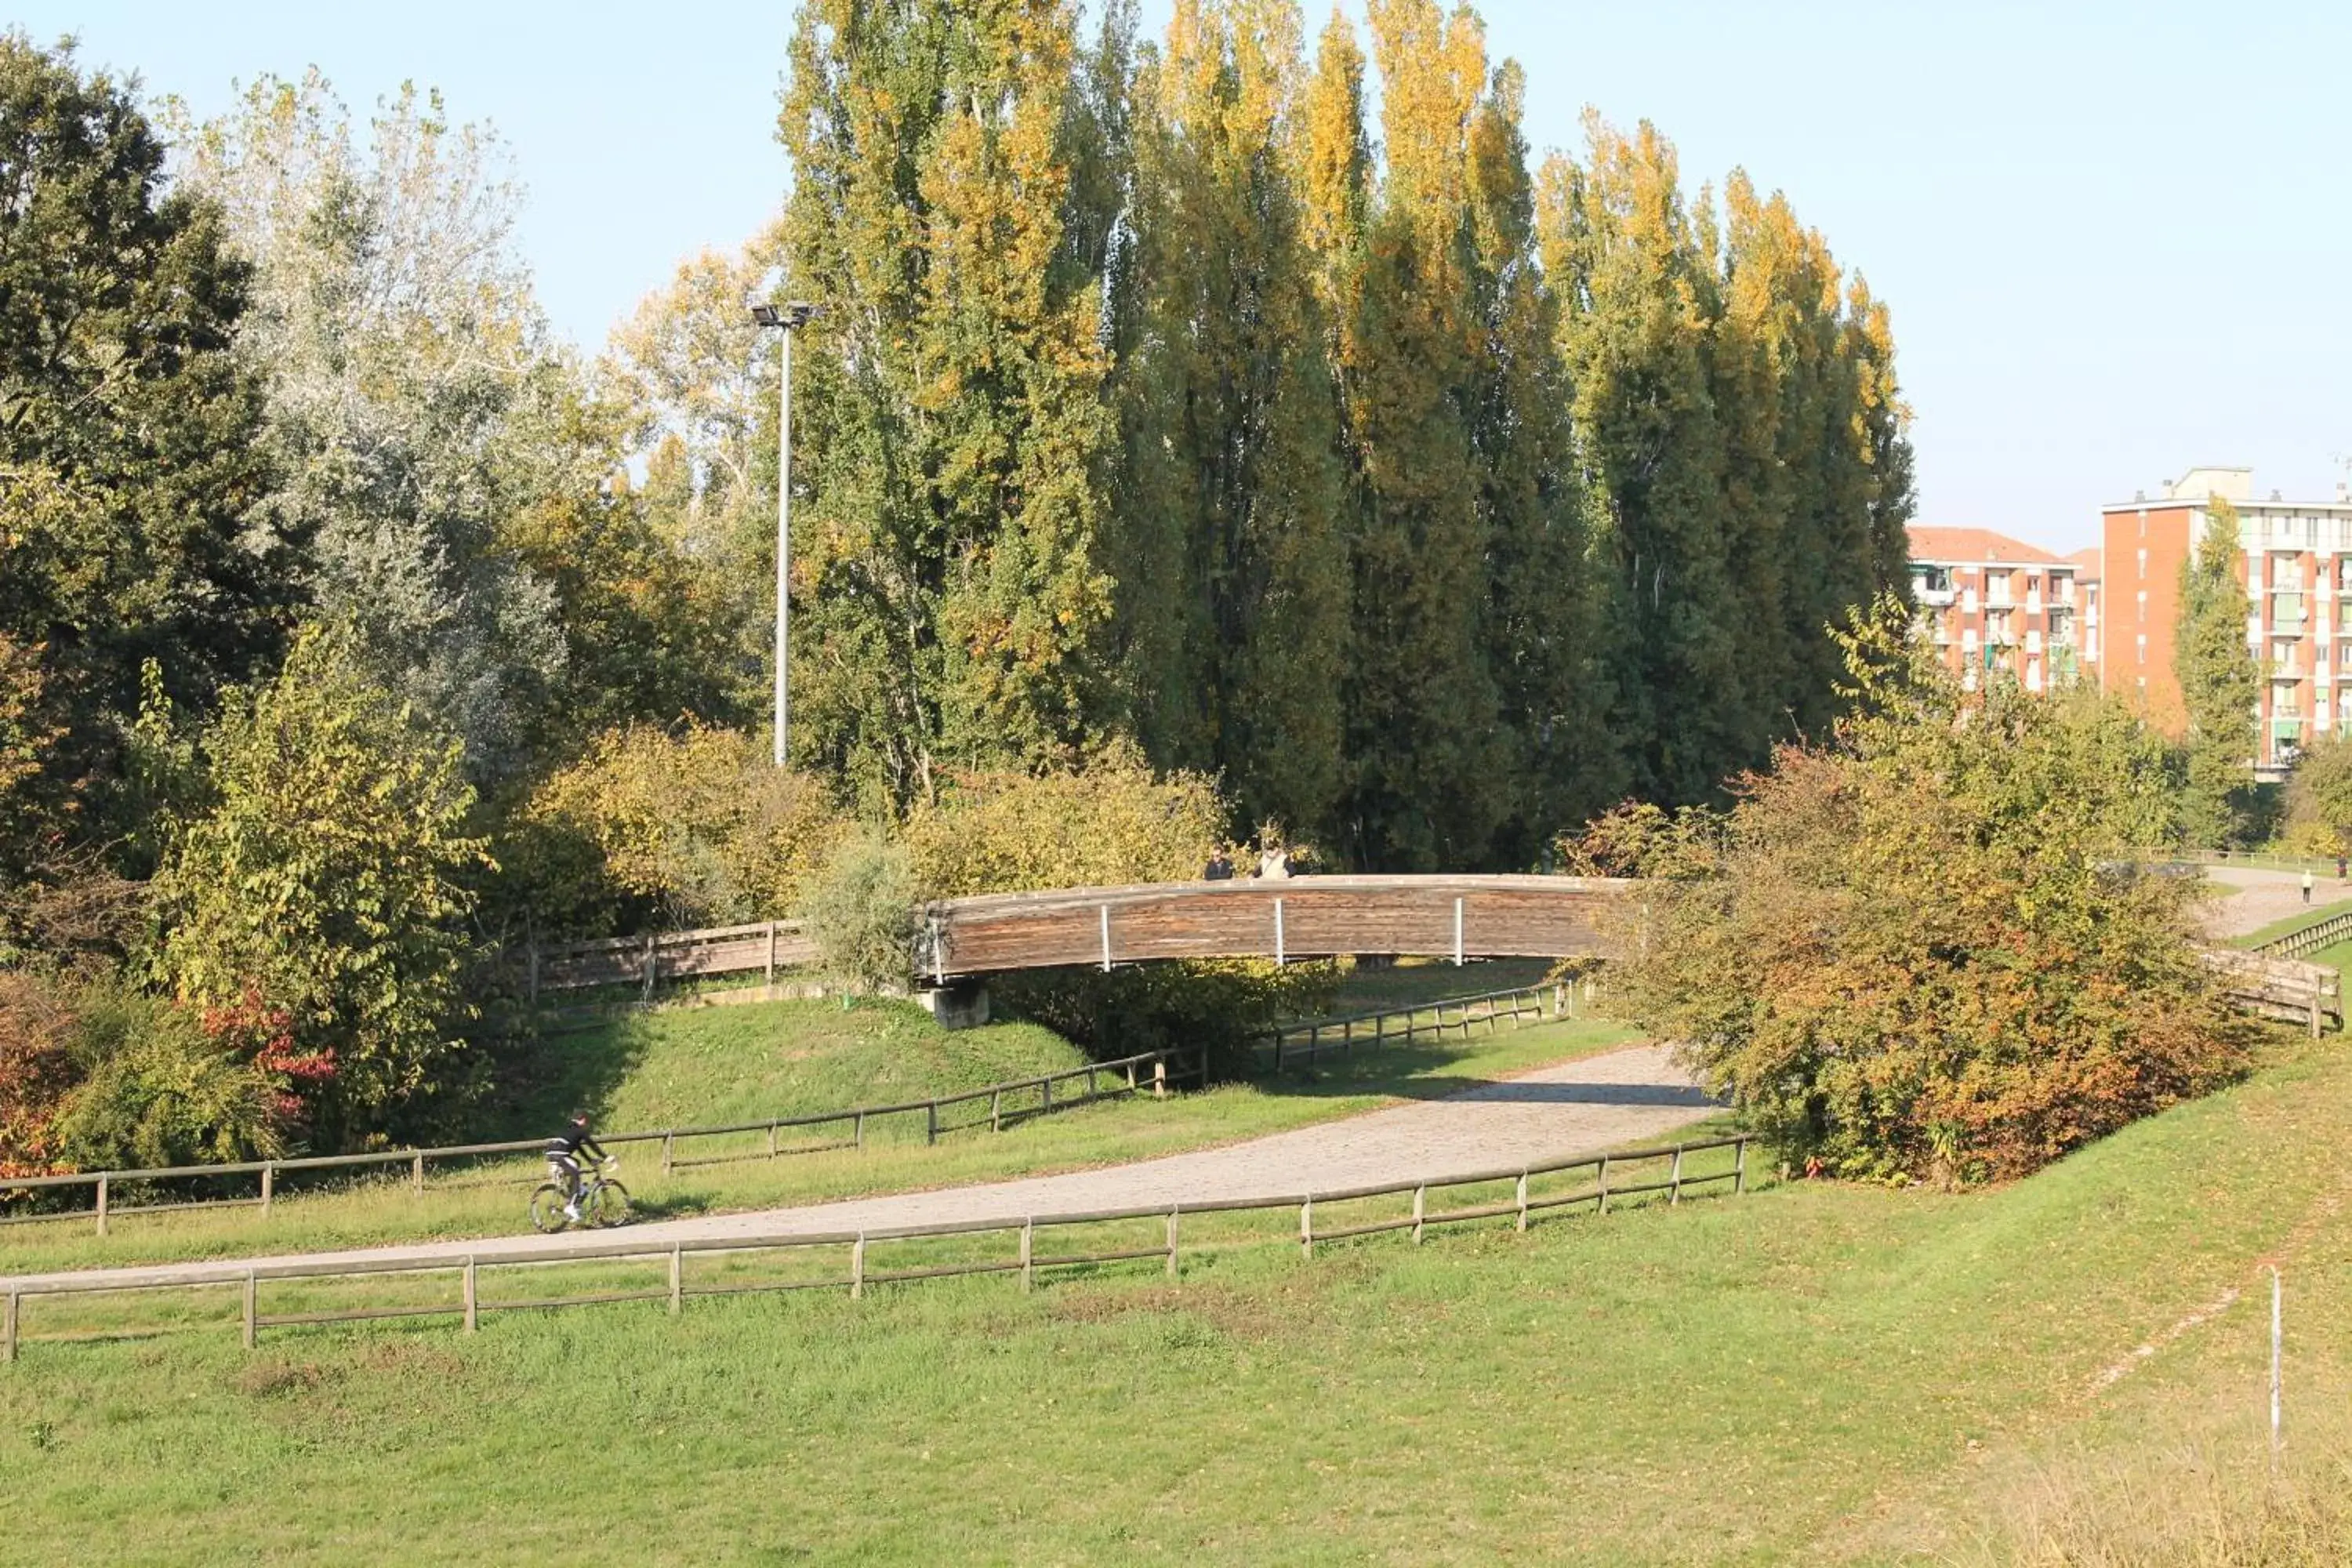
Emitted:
<point x="2293" y="922"/>
<point x="1816" y="1372"/>
<point x="723" y="1065"/>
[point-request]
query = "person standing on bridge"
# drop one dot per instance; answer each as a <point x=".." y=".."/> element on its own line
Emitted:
<point x="1220" y="868"/>
<point x="2307" y="886"/>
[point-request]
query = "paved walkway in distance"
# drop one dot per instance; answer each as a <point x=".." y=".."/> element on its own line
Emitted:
<point x="2254" y="898"/>
<point x="1623" y="1097"/>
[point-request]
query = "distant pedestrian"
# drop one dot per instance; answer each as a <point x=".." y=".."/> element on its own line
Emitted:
<point x="2307" y="886"/>
<point x="2339" y="866"/>
<point x="1274" y="864"/>
<point x="1220" y="868"/>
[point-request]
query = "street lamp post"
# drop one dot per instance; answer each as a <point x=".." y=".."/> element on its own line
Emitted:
<point x="789" y="318"/>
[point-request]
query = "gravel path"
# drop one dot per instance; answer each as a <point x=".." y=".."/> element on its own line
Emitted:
<point x="2255" y="897"/>
<point x="1607" y="1101"/>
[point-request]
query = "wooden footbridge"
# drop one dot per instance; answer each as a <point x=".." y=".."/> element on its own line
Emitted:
<point x="1453" y="917"/>
<point x="1460" y="917"/>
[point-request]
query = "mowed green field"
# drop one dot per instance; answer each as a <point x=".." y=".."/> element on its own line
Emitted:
<point x="727" y="1065"/>
<point x="1812" y="1372"/>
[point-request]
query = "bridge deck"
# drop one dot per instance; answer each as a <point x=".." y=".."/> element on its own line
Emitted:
<point x="1304" y="917"/>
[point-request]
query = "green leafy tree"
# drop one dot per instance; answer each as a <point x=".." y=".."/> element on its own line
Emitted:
<point x="953" y="431"/>
<point x="131" y="472"/>
<point x="2221" y="683"/>
<point x="1914" y="949"/>
<point x="2319" y="797"/>
<point x="331" y="881"/>
<point x="415" y="402"/>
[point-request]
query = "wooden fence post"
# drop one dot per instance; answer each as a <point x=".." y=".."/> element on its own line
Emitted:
<point x="1159" y="1078"/>
<point x="1604" y="1185"/>
<point x="1306" y="1227"/>
<point x="1674" y="1179"/>
<point x="669" y="1152"/>
<point x="269" y="1181"/>
<point x="771" y="1140"/>
<point x="1171" y="1243"/>
<point x="996" y="1110"/>
<point x="417" y="1172"/>
<point x="931" y="1123"/>
<point x="858" y="1267"/>
<point x="677" y="1279"/>
<point x="653" y="962"/>
<point x="1419" y="1200"/>
<point x="772" y="955"/>
<point x="249" y="1324"/>
<point x="1046" y="1084"/>
<point x="1739" y="1168"/>
<point x="473" y="1298"/>
<point x="857" y="1134"/>
<point x="1028" y="1252"/>
<point x="1523" y="1200"/>
<point x="1130" y="1077"/>
<point x="8" y="1327"/>
<point x="101" y="1206"/>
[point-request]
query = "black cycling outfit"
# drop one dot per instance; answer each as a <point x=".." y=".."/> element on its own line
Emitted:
<point x="564" y="1153"/>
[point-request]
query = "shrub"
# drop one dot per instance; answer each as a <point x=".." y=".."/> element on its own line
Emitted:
<point x="162" y="1085"/>
<point x="1114" y="822"/>
<point x="36" y="1069"/>
<point x="691" y="829"/>
<point x="1220" y="1007"/>
<point x="861" y="914"/>
<point x="327" y="882"/>
<point x="1916" y="950"/>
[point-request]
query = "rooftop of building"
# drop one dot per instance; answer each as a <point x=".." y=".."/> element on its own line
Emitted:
<point x="2235" y="485"/>
<point x="2090" y="564"/>
<point x="1976" y="547"/>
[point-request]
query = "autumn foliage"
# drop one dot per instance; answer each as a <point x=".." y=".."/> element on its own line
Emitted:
<point x="1919" y="949"/>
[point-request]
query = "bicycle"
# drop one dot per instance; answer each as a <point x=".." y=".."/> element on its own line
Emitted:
<point x="602" y="1202"/>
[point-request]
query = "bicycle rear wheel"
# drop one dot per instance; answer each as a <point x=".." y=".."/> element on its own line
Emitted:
<point x="608" y="1203"/>
<point x="547" y="1208"/>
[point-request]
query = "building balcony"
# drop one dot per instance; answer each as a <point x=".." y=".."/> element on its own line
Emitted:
<point x="1936" y="598"/>
<point x="2033" y="642"/>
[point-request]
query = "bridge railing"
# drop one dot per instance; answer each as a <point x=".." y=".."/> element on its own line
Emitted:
<point x="1150" y="1071"/>
<point x="1666" y="1169"/>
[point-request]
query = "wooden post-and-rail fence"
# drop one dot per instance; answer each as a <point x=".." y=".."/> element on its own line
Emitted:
<point x="1309" y="1039"/>
<point x="1152" y="1072"/>
<point x="1655" y="1171"/>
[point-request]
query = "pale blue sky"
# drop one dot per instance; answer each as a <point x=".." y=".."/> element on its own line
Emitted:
<point x="2116" y="237"/>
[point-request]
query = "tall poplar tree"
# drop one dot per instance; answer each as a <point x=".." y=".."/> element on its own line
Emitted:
<point x="1235" y="592"/>
<point x="1621" y="241"/>
<point x="1430" y="773"/>
<point x="2221" y="682"/>
<point x="952" y="427"/>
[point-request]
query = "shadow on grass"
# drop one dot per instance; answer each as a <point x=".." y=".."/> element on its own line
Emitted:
<point x="542" y="1079"/>
<point x="1415" y="1073"/>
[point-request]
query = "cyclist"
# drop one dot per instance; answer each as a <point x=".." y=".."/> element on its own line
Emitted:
<point x="564" y="1159"/>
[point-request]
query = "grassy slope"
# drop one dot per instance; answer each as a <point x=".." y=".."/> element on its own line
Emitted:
<point x="731" y="1063"/>
<point x="1816" y="1372"/>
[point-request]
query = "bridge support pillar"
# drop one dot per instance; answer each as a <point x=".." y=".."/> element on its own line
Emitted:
<point x="962" y="1006"/>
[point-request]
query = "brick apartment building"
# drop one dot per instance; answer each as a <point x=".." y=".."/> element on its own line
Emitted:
<point x="2089" y="569"/>
<point x="2297" y="559"/>
<point x="1992" y="601"/>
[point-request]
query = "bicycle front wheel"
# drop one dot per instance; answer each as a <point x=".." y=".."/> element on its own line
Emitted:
<point x="547" y="1208"/>
<point x="608" y="1204"/>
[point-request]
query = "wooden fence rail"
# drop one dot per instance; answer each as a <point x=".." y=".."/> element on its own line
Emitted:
<point x="1309" y="1038"/>
<point x="1154" y="1071"/>
<point x="2322" y="933"/>
<point x="1026" y="1261"/>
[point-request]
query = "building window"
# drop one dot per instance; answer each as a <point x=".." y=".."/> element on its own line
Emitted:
<point x="2143" y="554"/>
<point x="2142" y="641"/>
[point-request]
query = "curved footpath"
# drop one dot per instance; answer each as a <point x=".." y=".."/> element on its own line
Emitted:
<point x="1624" y="1097"/>
<point x="2255" y="897"/>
